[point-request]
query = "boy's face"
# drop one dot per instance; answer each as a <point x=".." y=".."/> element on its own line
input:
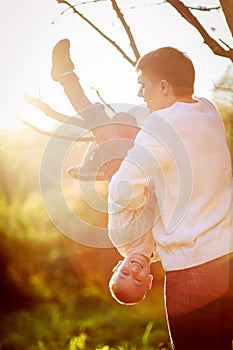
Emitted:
<point x="157" y="94"/>
<point x="133" y="274"/>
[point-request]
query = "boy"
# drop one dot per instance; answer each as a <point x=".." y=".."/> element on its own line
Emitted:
<point x="99" y="164"/>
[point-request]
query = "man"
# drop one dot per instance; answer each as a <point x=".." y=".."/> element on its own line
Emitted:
<point x="182" y="149"/>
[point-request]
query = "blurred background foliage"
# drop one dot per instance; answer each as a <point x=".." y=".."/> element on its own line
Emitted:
<point x="54" y="291"/>
<point x="223" y="98"/>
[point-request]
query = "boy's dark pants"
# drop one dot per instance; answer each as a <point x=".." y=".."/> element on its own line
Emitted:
<point x="199" y="306"/>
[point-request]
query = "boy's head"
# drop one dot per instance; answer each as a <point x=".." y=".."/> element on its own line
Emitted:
<point x="131" y="279"/>
<point x="166" y="75"/>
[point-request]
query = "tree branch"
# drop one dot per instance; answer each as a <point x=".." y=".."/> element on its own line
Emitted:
<point x="127" y="29"/>
<point x="45" y="108"/>
<point x="204" y="8"/>
<point x="101" y="99"/>
<point x="47" y="133"/>
<point x="133" y="63"/>
<point x="213" y="45"/>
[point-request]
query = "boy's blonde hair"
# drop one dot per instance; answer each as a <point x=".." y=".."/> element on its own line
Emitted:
<point x="123" y="296"/>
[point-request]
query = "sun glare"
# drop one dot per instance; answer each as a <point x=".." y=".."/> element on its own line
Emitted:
<point x="29" y="59"/>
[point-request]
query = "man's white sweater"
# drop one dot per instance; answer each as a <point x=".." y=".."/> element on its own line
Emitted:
<point x="183" y="150"/>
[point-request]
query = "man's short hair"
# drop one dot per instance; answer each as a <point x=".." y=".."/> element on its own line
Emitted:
<point x="170" y="64"/>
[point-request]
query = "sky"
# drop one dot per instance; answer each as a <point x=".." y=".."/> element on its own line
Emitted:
<point x="30" y="29"/>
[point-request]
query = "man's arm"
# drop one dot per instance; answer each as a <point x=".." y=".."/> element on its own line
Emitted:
<point x="144" y="160"/>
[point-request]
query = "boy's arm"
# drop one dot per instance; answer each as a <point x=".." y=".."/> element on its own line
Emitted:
<point x="131" y="230"/>
<point x="125" y="238"/>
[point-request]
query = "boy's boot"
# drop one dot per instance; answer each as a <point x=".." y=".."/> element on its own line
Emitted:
<point x="102" y="160"/>
<point x="90" y="169"/>
<point x="61" y="61"/>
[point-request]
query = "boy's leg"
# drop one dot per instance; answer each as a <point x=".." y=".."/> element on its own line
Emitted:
<point x="63" y="72"/>
<point x="123" y="126"/>
<point x="93" y="166"/>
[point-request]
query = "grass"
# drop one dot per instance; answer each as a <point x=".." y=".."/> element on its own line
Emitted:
<point x="82" y="323"/>
<point x="46" y="305"/>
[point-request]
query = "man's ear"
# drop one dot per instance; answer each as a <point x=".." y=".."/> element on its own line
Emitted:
<point x="164" y="86"/>
<point x="117" y="266"/>
<point x="150" y="280"/>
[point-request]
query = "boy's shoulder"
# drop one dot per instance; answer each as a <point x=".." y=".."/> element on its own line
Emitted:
<point x="140" y="113"/>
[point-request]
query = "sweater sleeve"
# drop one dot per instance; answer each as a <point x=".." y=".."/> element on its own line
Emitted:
<point x="148" y="156"/>
<point x="131" y="230"/>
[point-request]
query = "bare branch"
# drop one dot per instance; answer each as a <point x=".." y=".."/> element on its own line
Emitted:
<point x="213" y="45"/>
<point x="133" y="63"/>
<point x="204" y="8"/>
<point x="101" y="99"/>
<point x="127" y="29"/>
<point x="45" y="108"/>
<point x="47" y="133"/>
<point x="223" y="42"/>
<point x="89" y="2"/>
